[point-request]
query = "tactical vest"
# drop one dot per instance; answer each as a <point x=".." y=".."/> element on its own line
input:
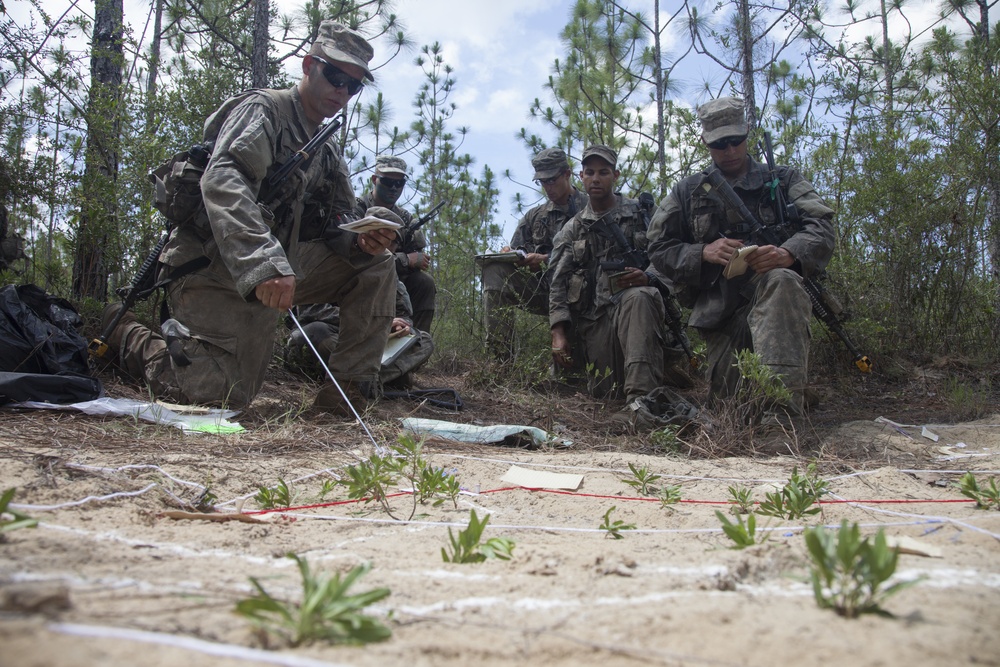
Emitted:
<point x="177" y="182"/>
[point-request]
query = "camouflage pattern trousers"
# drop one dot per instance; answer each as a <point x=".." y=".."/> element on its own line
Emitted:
<point x="774" y="323"/>
<point x="232" y="341"/>
<point x="623" y="350"/>
<point x="325" y="336"/>
<point x="505" y="286"/>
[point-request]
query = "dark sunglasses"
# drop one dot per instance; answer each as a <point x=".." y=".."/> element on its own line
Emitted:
<point x="392" y="182"/>
<point x="727" y="142"/>
<point x="338" y="78"/>
<point x="547" y="181"/>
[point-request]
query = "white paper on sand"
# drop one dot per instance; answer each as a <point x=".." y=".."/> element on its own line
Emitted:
<point x="539" y="479"/>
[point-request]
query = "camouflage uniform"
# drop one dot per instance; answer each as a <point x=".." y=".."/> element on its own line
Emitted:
<point x="232" y="334"/>
<point x="622" y="333"/>
<point x="321" y="322"/>
<point x="419" y="284"/>
<point x="506" y="285"/>
<point x="767" y="313"/>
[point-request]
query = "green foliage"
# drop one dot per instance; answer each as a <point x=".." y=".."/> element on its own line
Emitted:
<point x="666" y="439"/>
<point x="742" y="497"/>
<point x="614" y="528"/>
<point x="641" y="480"/>
<point x="326" y="613"/>
<point x="670" y="495"/>
<point x="371" y="479"/>
<point x="965" y="400"/>
<point x="18" y="519"/>
<point x="849" y="573"/>
<point x="797" y="497"/>
<point x="271" y="497"/>
<point x="466" y="547"/>
<point x="761" y="385"/>
<point x="986" y="496"/>
<point x="743" y="534"/>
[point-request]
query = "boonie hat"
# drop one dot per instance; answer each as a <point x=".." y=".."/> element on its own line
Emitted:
<point x="390" y="164"/>
<point x="550" y="162"/>
<point x="722" y="118"/>
<point x="601" y="151"/>
<point x="338" y="43"/>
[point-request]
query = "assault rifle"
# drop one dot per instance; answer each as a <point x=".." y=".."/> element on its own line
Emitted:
<point x="632" y="258"/>
<point x="421" y="221"/>
<point x="144" y="282"/>
<point x="824" y="306"/>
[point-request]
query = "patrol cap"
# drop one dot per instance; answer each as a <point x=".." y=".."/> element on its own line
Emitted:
<point x="382" y="213"/>
<point x="722" y="118"/>
<point x="339" y="44"/>
<point x="601" y="151"/>
<point x="550" y="162"/>
<point x="390" y="164"/>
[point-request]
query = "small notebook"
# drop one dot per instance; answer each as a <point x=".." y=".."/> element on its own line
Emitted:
<point x="369" y="224"/>
<point x="738" y="264"/>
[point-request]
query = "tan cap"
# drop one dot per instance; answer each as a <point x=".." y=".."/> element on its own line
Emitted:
<point x="601" y="151"/>
<point x="382" y="213"/>
<point x="550" y="162"/>
<point x="340" y="44"/>
<point x="390" y="164"/>
<point x="722" y="118"/>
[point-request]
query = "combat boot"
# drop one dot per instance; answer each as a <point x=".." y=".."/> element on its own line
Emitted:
<point x="114" y="339"/>
<point x="361" y="395"/>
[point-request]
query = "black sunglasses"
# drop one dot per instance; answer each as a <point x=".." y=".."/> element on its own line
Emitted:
<point x="337" y="78"/>
<point x="727" y="142"/>
<point x="392" y="182"/>
<point x="548" y="181"/>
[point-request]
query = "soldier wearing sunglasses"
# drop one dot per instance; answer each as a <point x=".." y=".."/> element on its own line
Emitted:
<point x="258" y="257"/>
<point x="412" y="261"/>
<point x="766" y="309"/>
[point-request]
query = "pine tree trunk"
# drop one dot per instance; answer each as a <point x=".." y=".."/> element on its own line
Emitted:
<point x="98" y="208"/>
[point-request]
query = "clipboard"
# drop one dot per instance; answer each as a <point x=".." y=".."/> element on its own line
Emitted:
<point x="397" y="346"/>
<point x="512" y="257"/>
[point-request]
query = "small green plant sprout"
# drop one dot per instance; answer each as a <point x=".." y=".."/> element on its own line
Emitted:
<point x="17" y="519"/>
<point x="371" y="479"/>
<point x="642" y="479"/>
<point x="206" y="501"/>
<point x="326" y="613"/>
<point x="328" y="486"/>
<point x="437" y="484"/>
<point x="742" y="499"/>
<point x="762" y="385"/>
<point x="466" y="547"/>
<point x="743" y="534"/>
<point x="849" y="572"/>
<point x="797" y="498"/>
<point x="271" y="497"/>
<point x="670" y="495"/>
<point x="666" y="439"/>
<point x="614" y="528"/>
<point x="986" y="496"/>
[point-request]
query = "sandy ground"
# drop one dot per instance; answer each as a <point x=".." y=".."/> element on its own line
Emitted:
<point x="115" y="582"/>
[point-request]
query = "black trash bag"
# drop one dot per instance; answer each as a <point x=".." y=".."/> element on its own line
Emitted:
<point x="61" y="388"/>
<point x="39" y="341"/>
